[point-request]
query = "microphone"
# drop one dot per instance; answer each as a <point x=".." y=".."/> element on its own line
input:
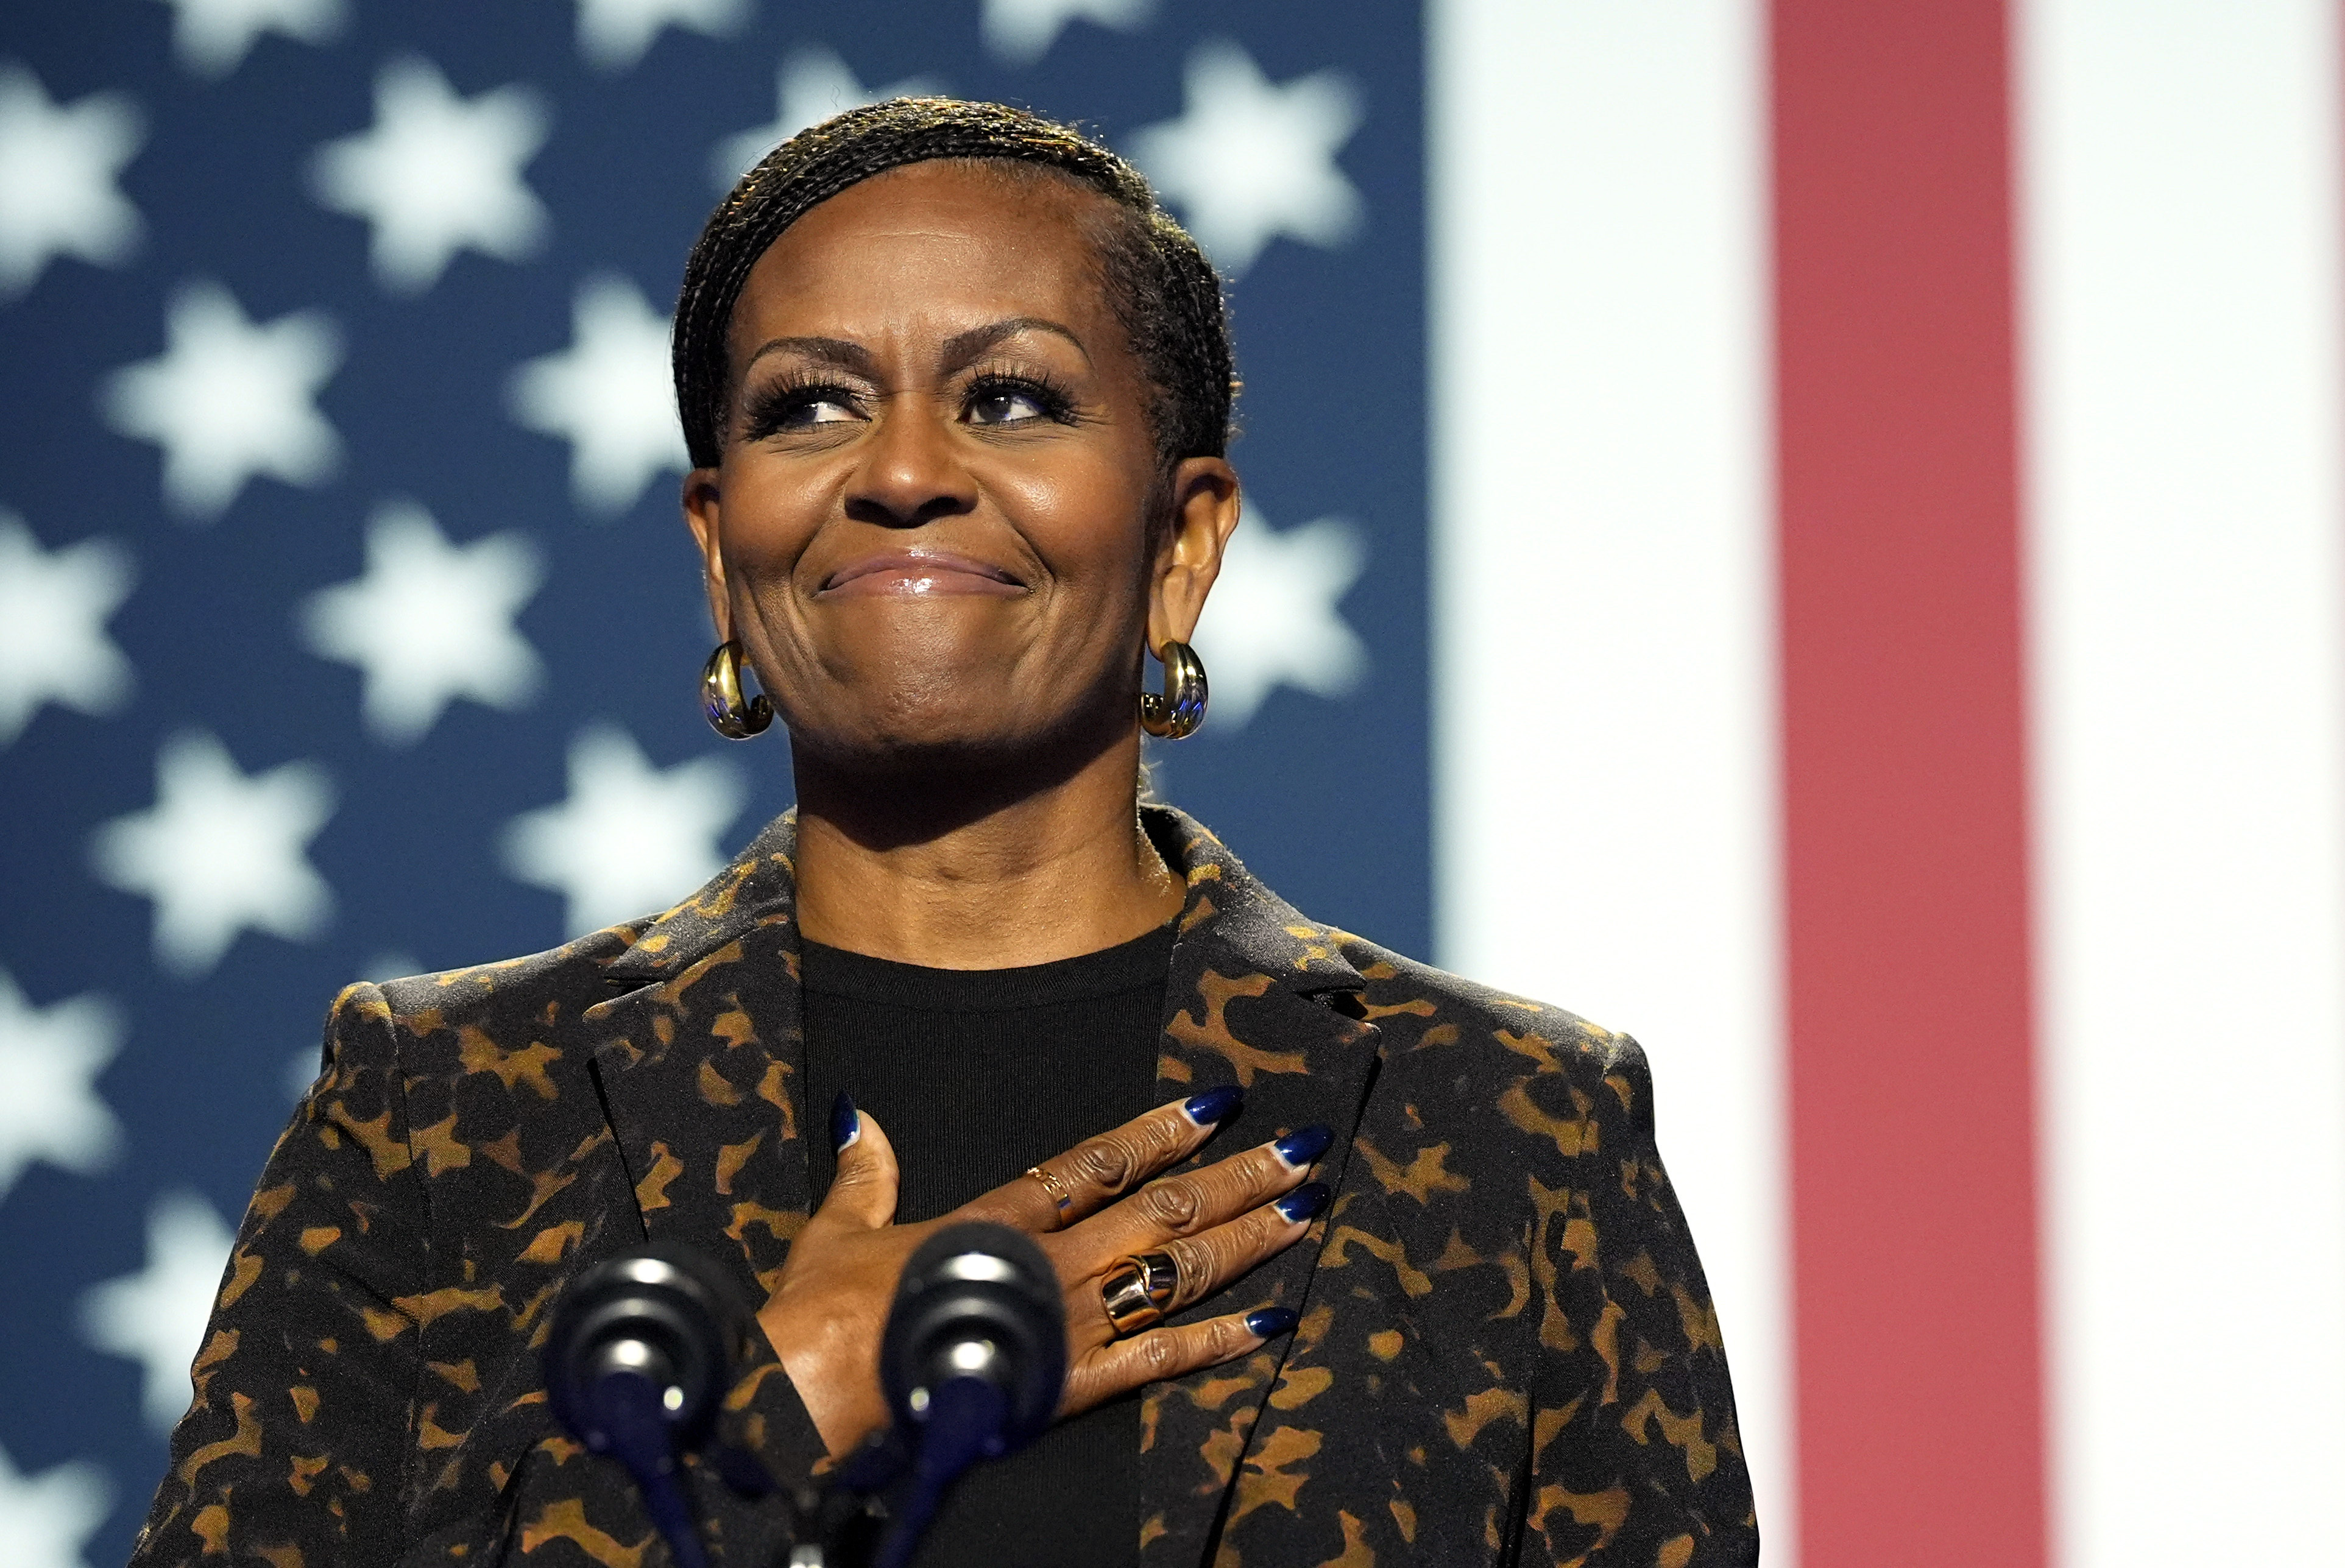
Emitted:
<point x="974" y="1361"/>
<point x="637" y="1360"/>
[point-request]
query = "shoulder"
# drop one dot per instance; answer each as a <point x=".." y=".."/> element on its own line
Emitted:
<point x="1432" y="1008"/>
<point x="421" y="1018"/>
<point x="1475" y="1050"/>
<point x="1415" y="1006"/>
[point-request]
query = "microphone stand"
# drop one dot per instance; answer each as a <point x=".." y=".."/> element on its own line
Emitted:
<point x="963" y="1425"/>
<point x="638" y="1440"/>
<point x="841" y="1524"/>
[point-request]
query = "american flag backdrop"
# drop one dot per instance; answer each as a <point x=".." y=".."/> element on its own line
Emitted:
<point x="1810" y="532"/>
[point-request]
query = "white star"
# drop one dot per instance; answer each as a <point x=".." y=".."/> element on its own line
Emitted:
<point x="57" y="168"/>
<point x="438" y="174"/>
<point x="213" y="37"/>
<point x="1248" y="161"/>
<point x="631" y="838"/>
<point x="429" y="623"/>
<point x="48" y="1110"/>
<point x="46" y="1520"/>
<point x="220" y="852"/>
<point x="157" y="1317"/>
<point x="1023" y="31"/>
<point x="53" y="610"/>
<point x="811" y="86"/>
<point x="614" y="34"/>
<point x="1272" y="618"/>
<point x="612" y="397"/>
<point x="229" y="399"/>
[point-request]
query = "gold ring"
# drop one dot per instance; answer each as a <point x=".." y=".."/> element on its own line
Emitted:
<point x="1060" y="1198"/>
<point x="1139" y="1290"/>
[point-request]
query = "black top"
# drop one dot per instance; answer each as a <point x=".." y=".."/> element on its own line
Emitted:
<point x="977" y="1074"/>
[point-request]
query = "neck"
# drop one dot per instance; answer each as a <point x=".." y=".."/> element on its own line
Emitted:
<point x="963" y="870"/>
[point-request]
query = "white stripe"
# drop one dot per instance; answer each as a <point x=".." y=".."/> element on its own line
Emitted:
<point x="1604" y="647"/>
<point x="2184" y="416"/>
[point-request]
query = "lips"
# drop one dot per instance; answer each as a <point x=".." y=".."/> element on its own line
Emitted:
<point x="919" y="572"/>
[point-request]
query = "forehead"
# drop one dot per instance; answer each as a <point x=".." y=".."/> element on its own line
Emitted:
<point x="949" y="242"/>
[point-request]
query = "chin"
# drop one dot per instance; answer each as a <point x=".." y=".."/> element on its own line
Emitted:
<point x="943" y="729"/>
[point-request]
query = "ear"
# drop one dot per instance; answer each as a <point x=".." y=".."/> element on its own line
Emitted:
<point x="701" y="506"/>
<point x="1205" y="503"/>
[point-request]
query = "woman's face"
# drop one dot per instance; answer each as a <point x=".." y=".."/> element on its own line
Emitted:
<point x="929" y="526"/>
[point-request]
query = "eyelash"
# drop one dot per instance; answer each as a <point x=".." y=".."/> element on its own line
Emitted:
<point x="771" y="407"/>
<point x="1044" y="390"/>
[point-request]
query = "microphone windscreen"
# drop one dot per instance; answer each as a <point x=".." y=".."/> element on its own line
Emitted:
<point x="664" y="1312"/>
<point x="977" y="1299"/>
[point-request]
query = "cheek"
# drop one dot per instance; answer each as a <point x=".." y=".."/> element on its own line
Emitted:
<point x="767" y="519"/>
<point x="1084" y="519"/>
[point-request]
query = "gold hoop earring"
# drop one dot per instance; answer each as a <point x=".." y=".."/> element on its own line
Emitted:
<point x="1175" y="715"/>
<point x="720" y="696"/>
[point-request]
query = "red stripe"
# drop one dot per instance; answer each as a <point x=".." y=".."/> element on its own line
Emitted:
<point x="1920" y="1416"/>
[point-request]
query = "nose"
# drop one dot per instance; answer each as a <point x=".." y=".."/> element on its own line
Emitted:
<point x="911" y="471"/>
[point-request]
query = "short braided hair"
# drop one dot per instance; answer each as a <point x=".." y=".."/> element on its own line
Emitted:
<point x="1165" y="294"/>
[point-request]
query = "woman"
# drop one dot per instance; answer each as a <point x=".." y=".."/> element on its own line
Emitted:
<point x="958" y="395"/>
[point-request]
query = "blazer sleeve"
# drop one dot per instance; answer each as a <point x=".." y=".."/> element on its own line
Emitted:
<point x="1636" y="1459"/>
<point x="303" y="1428"/>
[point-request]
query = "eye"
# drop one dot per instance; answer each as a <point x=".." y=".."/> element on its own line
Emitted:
<point x="818" y="410"/>
<point x="776" y="409"/>
<point x="1002" y="406"/>
<point x="1011" y="401"/>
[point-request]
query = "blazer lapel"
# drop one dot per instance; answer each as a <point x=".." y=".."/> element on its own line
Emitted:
<point x="1258" y="997"/>
<point x="701" y="1066"/>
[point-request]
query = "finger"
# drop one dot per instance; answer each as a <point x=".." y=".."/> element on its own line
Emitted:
<point x="1101" y="1169"/>
<point x="1196" y="1200"/>
<point x="1207" y="1263"/>
<point x="863" y="1194"/>
<point x="1122" y="1365"/>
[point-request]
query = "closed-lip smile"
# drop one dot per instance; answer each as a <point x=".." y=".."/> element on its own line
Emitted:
<point x="919" y="571"/>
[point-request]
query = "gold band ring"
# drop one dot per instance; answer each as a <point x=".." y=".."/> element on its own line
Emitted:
<point x="1060" y="1198"/>
<point x="1139" y="1291"/>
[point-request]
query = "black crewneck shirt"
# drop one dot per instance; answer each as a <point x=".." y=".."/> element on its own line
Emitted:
<point x="976" y="1075"/>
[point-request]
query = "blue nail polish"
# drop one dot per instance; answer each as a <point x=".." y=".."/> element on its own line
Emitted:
<point x="845" y="1126"/>
<point x="1304" y="1145"/>
<point x="1214" y="1104"/>
<point x="1270" y="1322"/>
<point x="1303" y="1203"/>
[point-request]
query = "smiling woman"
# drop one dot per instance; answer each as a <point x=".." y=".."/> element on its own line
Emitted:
<point x="958" y="395"/>
<point x="933" y="404"/>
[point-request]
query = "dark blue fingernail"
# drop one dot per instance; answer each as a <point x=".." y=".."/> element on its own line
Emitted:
<point x="1214" y="1104"/>
<point x="1270" y="1322"/>
<point x="1303" y="1203"/>
<point x="1304" y="1145"/>
<point x="845" y="1126"/>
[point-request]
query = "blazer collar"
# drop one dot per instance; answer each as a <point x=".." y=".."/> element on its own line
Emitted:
<point x="702" y="1065"/>
<point x="1225" y="906"/>
<point x="761" y="881"/>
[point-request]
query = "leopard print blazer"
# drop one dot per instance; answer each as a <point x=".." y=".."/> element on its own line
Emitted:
<point x="1508" y="1353"/>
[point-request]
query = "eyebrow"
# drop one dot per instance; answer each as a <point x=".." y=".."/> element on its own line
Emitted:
<point x="835" y="351"/>
<point x="962" y="348"/>
<point x="959" y="350"/>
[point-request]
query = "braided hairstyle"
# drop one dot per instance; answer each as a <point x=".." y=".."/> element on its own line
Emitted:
<point x="1165" y="293"/>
